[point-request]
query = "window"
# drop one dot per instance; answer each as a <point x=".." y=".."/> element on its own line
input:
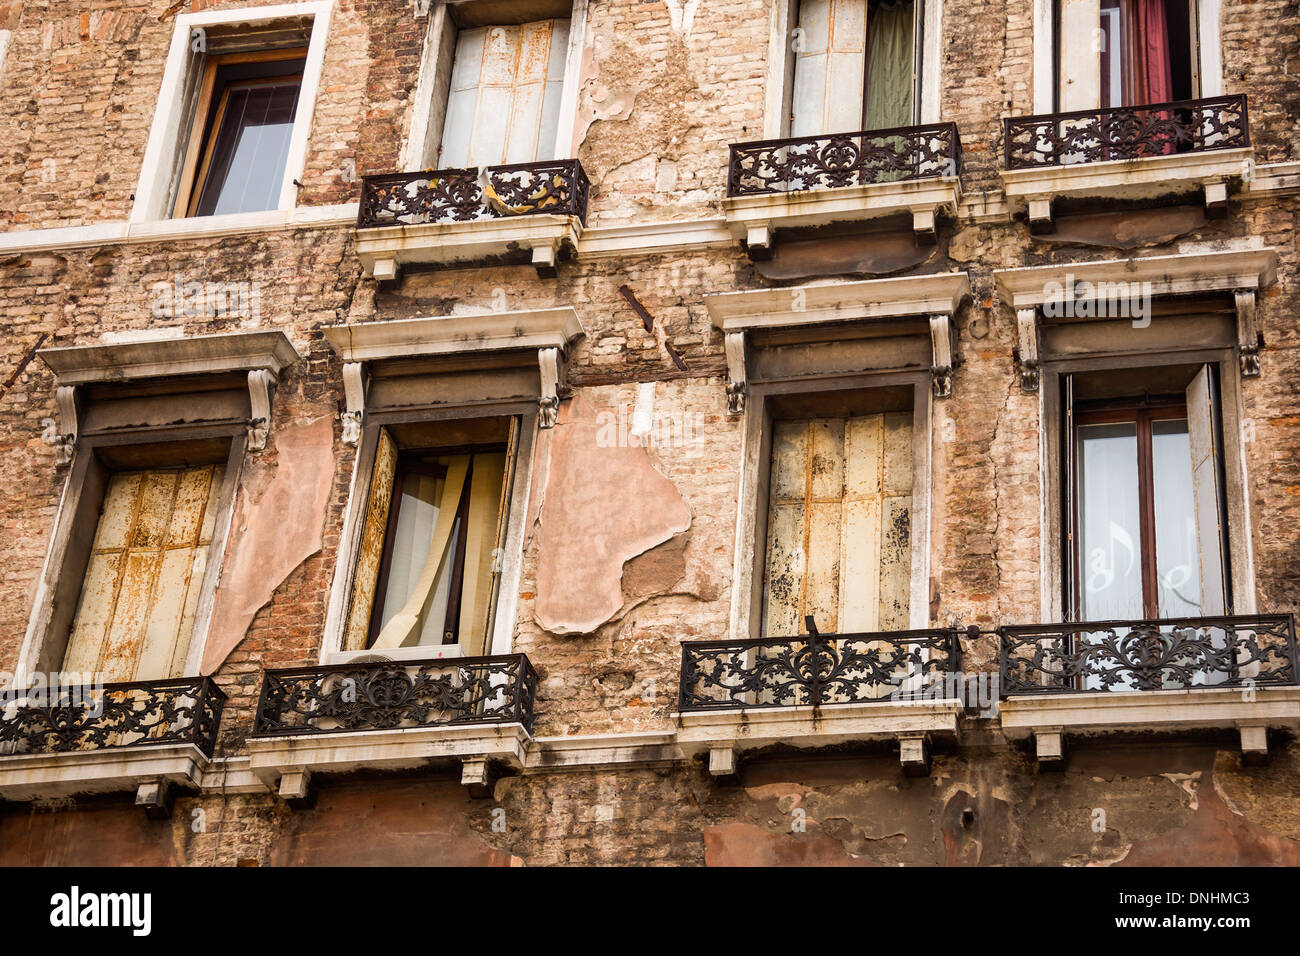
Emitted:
<point x="839" y="541"/>
<point x="1145" y="52"/>
<point x="141" y="590"/>
<point x="855" y="66"/>
<point x="1147" y="525"/>
<point x="242" y="127"/>
<point x="428" y="570"/>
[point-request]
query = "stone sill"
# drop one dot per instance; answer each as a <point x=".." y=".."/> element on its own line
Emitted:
<point x="724" y="734"/>
<point x="754" y="218"/>
<point x="1210" y="171"/>
<point x="26" y="777"/>
<point x="383" y="250"/>
<point x="1049" y="717"/>
<point x="288" y="762"/>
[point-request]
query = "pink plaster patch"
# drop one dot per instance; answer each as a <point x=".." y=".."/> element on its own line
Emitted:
<point x="600" y="507"/>
<point x="278" y="525"/>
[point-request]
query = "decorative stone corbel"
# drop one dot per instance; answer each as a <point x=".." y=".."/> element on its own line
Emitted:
<point x="1247" y="334"/>
<point x="1040" y="216"/>
<point x="923" y="226"/>
<point x="1049" y="748"/>
<point x="260" y="383"/>
<point x="914" y="755"/>
<point x="479" y="776"/>
<point x="354" y="402"/>
<point x="1216" y="199"/>
<point x="737" y="385"/>
<point x="545" y="257"/>
<point x="551" y="361"/>
<point x="295" y="788"/>
<point x="723" y="762"/>
<point x="156" y="797"/>
<point x="65" y="442"/>
<point x="758" y="241"/>
<point x="1027" y="326"/>
<point x="941" y="346"/>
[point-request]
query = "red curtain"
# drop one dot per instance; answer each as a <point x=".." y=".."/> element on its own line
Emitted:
<point x="1153" y="80"/>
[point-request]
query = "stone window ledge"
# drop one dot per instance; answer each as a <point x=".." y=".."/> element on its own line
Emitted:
<point x="147" y="769"/>
<point x="726" y="734"/>
<point x="1050" y="718"/>
<point x="287" y="763"/>
<point x="755" y="218"/>
<point x="541" y="239"/>
<point x="1210" y="172"/>
<point x="158" y="357"/>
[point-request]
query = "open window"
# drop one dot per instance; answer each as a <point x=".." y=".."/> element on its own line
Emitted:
<point x="434" y="531"/>
<point x="1147" y="526"/>
<point x="856" y="66"/>
<point x="1145" y="52"/>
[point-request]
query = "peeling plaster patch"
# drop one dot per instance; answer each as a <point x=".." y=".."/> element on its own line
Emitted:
<point x="1190" y="783"/>
<point x="603" y="507"/>
<point x="278" y="525"/>
<point x="744" y="844"/>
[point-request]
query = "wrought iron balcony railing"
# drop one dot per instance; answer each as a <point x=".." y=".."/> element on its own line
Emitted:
<point x="386" y="695"/>
<point x="460" y="195"/>
<point x="1126" y="132"/>
<point x="1255" y="650"/>
<point x="844" y="159"/>
<point x="815" y="669"/>
<point x="98" y="717"/>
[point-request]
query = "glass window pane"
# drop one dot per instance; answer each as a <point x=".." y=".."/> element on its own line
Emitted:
<point x="1177" y="555"/>
<point x="1110" y="532"/>
<point x="417" y="515"/>
<point x="250" y="148"/>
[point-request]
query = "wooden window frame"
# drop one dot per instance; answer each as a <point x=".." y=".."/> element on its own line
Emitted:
<point x="1142" y="414"/>
<point x="203" y="134"/>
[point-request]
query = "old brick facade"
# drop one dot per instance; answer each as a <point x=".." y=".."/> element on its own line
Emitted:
<point x="665" y="87"/>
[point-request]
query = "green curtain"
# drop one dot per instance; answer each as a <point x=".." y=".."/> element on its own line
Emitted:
<point x="889" y="66"/>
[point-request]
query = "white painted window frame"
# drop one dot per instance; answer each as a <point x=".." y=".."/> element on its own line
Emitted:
<point x="155" y="190"/>
<point x="1209" y="71"/>
<point x="782" y="19"/>
<point x="429" y="102"/>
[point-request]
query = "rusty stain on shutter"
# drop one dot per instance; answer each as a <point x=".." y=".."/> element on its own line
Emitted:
<point x="140" y="593"/>
<point x="372" y="543"/>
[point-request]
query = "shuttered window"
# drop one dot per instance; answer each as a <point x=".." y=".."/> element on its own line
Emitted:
<point x="854" y="66"/>
<point x="839" y="525"/>
<point x="504" y="101"/>
<point x="141" y="591"/>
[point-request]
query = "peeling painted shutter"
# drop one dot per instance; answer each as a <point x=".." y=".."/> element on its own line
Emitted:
<point x="1079" y="61"/>
<point x="839" y="525"/>
<point x="141" y="591"/>
<point x="371" y="552"/>
<point x="829" y="67"/>
<point x="1201" y="406"/>
<point x="504" y="102"/>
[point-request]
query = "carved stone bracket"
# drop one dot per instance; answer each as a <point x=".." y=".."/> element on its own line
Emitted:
<point x="1247" y="334"/>
<point x="260" y="384"/>
<point x="354" y="401"/>
<point x="737" y="386"/>
<point x="942" y="346"/>
<point x="551" y="361"/>
<point x="65" y="442"/>
<point x="1027" y="326"/>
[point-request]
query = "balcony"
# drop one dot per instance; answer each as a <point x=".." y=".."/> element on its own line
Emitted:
<point x="389" y="715"/>
<point x="527" y="212"/>
<point x="1130" y="152"/>
<point x="819" y="690"/>
<point x="143" y="736"/>
<point x="817" y="180"/>
<point x="1176" y="675"/>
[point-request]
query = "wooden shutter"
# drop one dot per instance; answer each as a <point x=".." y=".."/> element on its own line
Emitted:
<point x="839" y="525"/>
<point x="140" y="595"/>
<point x="1078" y="59"/>
<point x="504" y="101"/>
<point x="830" y="67"/>
<point x="1202" y="428"/>
<point x="371" y="552"/>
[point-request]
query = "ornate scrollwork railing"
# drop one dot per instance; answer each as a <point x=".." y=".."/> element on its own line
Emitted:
<point x="385" y="695"/>
<point x="1126" y="132"/>
<point x="460" y="195"/>
<point x="96" y="717"/>
<point x="815" y="669"/>
<point x="1257" y="650"/>
<point x="844" y="159"/>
